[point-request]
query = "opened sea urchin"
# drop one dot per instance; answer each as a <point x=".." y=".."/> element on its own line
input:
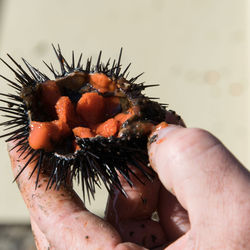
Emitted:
<point x="90" y="122"/>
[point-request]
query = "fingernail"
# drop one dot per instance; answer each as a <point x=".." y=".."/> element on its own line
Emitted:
<point x="160" y="133"/>
<point x="156" y="138"/>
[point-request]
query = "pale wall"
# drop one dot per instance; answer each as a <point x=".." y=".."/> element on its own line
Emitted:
<point x="196" y="50"/>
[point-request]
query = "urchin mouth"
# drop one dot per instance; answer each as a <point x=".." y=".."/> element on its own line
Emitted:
<point x="79" y="105"/>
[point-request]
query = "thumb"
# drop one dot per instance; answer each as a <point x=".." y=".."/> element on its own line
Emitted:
<point x="206" y="178"/>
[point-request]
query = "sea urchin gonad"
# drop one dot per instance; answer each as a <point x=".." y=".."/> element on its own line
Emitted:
<point x="89" y="122"/>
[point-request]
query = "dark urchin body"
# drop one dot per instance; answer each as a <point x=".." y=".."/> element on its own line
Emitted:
<point x="99" y="159"/>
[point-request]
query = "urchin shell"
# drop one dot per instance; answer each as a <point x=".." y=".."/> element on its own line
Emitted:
<point x="99" y="159"/>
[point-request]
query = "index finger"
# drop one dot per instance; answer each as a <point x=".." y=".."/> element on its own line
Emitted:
<point x="60" y="214"/>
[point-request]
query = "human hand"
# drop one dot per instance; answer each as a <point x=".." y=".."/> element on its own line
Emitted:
<point x="60" y="220"/>
<point x="209" y="182"/>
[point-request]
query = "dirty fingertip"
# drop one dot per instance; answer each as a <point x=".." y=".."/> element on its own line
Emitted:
<point x="157" y="137"/>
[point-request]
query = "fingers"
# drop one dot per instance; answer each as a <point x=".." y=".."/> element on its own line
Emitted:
<point x="60" y="215"/>
<point x="141" y="199"/>
<point x="131" y="215"/>
<point x="173" y="217"/>
<point x="205" y="177"/>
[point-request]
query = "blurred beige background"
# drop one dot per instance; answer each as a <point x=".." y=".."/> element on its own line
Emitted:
<point x="196" y="50"/>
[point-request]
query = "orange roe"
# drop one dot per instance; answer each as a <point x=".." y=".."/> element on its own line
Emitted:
<point x="91" y="108"/>
<point x="101" y="82"/>
<point x="108" y="128"/>
<point x="66" y="112"/>
<point x="83" y="132"/>
<point x="62" y="129"/>
<point x="160" y="126"/>
<point x="42" y="134"/>
<point x="122" y="117"/>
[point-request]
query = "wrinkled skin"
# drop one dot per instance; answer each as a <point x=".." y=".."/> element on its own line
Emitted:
<point x="202" y="198"/>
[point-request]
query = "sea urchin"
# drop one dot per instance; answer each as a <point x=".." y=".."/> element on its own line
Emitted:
<point x="90" y="122"/>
